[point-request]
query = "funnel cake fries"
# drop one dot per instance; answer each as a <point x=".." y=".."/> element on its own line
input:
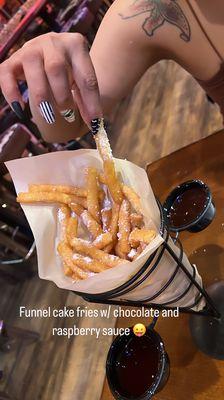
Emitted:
<point x="105" y="212"/>
<point x="93" y="205"/>
<point x="113" y="227"/>
<point x="103" y="240"/>
<point x="50" y="197"/>
<point x="139" y="236"/>
<point x="106" y="215"/>
<point x="110" y="176"/>
<point x="133" y="197"/>
<point x="84" y="247"/>
<point x="77" y="191"/>
<point x="92" y="225"/>
<point x="66" y="254"/>
<point x="136" y="220"/>
<point x="124" y="228"/>
<point x="71" y="228"/>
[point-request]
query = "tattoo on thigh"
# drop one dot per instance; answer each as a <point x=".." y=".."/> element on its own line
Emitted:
<point x="157" y="13"/>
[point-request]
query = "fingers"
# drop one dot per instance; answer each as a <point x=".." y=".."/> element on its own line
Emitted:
<point x="10" y="89"/>
<point x="47" y="80"/>
<point x="48" y="88"/>
<point x="78" y="101"/>
<point x="57" y="74"/>
<point x="39" y="88"/>
<point x="85" y="78"/>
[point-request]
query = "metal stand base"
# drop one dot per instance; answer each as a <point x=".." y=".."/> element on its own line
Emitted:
<point x="208" y="332"/>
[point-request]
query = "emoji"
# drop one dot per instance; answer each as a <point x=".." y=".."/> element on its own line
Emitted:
<point x="139" y="330"/>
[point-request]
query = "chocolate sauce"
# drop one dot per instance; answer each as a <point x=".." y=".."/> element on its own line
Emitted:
<point x="136" y="366"/>
<point x="187" y="207"/>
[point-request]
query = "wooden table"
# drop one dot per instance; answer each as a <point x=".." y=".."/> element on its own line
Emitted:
<point x="193" y="375"/>
<point x="21" y="27"/>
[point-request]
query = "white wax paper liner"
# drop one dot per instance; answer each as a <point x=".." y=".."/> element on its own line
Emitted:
<point x="67" y="168"/>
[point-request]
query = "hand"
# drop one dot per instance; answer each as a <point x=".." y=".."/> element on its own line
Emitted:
<point x="59" y="74"/>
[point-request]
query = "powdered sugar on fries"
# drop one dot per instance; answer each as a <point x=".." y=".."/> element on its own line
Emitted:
<point x="102" y="142"/>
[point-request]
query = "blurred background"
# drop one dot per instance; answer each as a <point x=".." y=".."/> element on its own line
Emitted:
<point x="166" y="111"/>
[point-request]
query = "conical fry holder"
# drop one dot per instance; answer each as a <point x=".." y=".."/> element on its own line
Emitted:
<point x="205" y="324"/>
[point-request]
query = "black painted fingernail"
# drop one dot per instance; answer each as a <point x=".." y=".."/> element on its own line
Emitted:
<point x="16" y="106"/>
<point x="95" y="125"/>
<point x="47" y="112"/>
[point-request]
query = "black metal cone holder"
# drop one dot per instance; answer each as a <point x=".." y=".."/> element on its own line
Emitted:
<point x="207" y="325"/>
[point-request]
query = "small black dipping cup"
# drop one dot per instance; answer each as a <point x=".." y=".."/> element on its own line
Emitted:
<point x="125" y="343"/>
<point x="202" y="215"/>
